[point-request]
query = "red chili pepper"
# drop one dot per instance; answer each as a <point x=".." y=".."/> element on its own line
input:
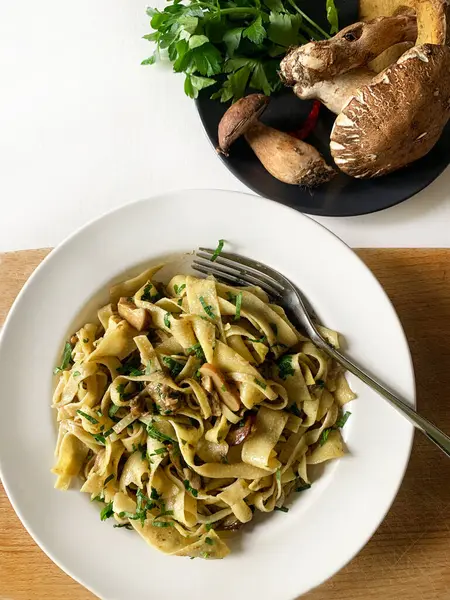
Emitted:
<point x="310" y="123"/>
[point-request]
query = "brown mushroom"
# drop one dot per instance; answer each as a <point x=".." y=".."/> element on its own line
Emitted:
<point x="286" y="158"/>
<point x="432" y="24"/>
<point x="354" y="46"/>
<point x="138" y="318"/>
<point x="222" y="386"/>
<point x="239" y="434"/>
<point x="398" y="117"/>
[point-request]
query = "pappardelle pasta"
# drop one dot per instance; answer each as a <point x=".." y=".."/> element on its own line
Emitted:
<point x="188" y="407"/>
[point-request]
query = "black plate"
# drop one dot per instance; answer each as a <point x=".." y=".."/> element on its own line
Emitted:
<point x="343" y="196"/>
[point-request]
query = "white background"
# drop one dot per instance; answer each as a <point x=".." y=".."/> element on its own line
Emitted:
<point x="84" y="128"/>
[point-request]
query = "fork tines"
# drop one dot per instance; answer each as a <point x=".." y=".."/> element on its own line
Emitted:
<point x="232" y="269"/>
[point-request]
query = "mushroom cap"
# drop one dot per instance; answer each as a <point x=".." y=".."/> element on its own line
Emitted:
<point x="397" y="118"/>
<point x="354" y="46"/>
<point x="239" y="118"/>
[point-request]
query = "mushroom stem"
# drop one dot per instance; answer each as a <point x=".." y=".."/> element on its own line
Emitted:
<point x="335" y="93"/>
<point x="288" y="159"/>
<point x="354" y="46"/>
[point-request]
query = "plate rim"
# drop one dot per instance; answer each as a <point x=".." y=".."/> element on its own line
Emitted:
<point x="51" y="256"/>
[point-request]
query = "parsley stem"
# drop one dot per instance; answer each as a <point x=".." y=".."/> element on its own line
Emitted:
<point x="228" y="11"/>
<point x="310" y="21"/>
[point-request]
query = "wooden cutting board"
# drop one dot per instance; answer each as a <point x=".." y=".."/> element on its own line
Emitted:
<point x="408" y="558"/>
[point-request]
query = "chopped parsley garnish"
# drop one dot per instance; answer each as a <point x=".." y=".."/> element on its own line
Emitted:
<point x="261" y="340"/>
<point x="156" y="523"/>
<point x="179" y="288"/>
<point x="209" y="541"/>
<point x="154" y="495"/>
<point x="197" y="350"/>
<point x="189" y="488"/>
<point x="66" y="359"/>
<point x="113" y="409"/>
<point x="107" y="512"/>
<point x="121" y="391"/>
<point x="126" y="525"/>
<point x="173" y="365"/>
<point x="218" y="250"/>
<point x="282" y="508"/>
<point x="87" y="417"/>
<point x="260" y="383"/>
<point x="237" y="316"/>
<point x="231" y="298"/>
<point x="99" y="438"/>
<point x="320" y="383"/>
<point x="159" y="436"/>
<point x="339" y="423"/>
<point x="205" y="555"/>
<point x="159" y="451"/>
<point x="131" y="367"/>
<point x="76" y="373"/>
<point x="342" y="420"/>
<point x="223" y="388"/>
<point x="225" y="460"/>
<point x="285" y="367"/>
<point x="108" y="479"/>
<point x="302" y="488"/>
<point x="108" y="433"/>
<point x="208" y="526"/>
<point x="294" y="409"/>
<point x="85" y="340"/>
<point x="207" y="308"/>
<point x="324" y="436"/>
<point x="278" y="475"/>
<point x="180" y="302"/>
<point x="274" y="328"/>
<point x="167" y="320"/>
<point x="147" y="296"/>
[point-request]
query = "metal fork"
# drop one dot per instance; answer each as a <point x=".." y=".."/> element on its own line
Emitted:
<point x="242" y="271"/>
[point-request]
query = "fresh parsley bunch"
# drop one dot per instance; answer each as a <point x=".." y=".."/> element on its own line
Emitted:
<point x="232" y="43"/>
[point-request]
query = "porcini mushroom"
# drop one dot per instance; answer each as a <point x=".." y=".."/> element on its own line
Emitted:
<point x="354" y="46"/>
<point x="398" y="117"/>
<point x="288" y="159"/>
<point x="432" y="24"/>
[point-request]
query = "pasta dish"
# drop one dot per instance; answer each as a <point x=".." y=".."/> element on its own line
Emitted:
<point x="188" y="407"/>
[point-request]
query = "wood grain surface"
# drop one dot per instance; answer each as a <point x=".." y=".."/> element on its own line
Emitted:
<point x="408" y="558"/>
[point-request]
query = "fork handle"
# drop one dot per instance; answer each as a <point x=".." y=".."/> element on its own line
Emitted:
<point x="432" y="432"/>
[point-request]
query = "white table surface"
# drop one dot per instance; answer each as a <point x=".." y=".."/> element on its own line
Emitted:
<point x="84" y="129"/>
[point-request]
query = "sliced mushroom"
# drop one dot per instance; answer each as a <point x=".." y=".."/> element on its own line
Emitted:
<point x="224" y="390"/>
<point x="352" y="47"/>
<point x="166" y="398"/>
<point x="286" y="158"/>
<point x="239" y="434"/>
<point x="139" y="318"/>
<point x="398" y="117"/>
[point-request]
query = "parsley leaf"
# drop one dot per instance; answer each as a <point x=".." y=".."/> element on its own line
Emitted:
<point x="324" y="436"/>
<point x="232" y="39"/>
<point x="342" y="420"/>
<point x="207" y="308"/>
<point x="218" y="250"/>
<point x="260" y="383"/>
<point x="66" y="359"/>
<point x="193" y="84"/>
<point x="173" y="365"/>
<point x="179" y="288"/>
<point x="282" y="508"/>
<point x="189" y="488"/>
<point x="167" y="320"/>
<point x="107" y="512"/>
<point x="255" y="32"/>
<point x="332" y="16"/>
<point x="197" y="350"/>
<point x="87" y="417"/>
<point x="159" y="436"/>
<point x="285" y="367"/>
<point x="237" y="316"/>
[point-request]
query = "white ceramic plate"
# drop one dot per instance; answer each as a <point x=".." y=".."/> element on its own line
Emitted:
<point x="282" y="556"/>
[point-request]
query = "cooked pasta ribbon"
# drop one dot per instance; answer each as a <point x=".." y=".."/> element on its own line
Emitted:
<point x="188" y="406"/>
